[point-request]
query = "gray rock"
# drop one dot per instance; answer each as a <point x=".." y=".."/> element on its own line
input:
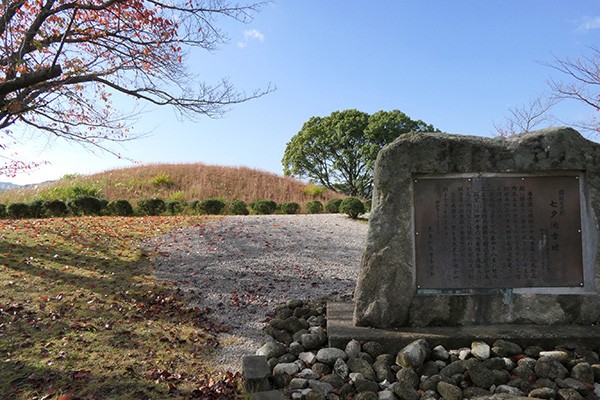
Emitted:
<point x="287" y="358"/>
<point x="271" y="350"/>
<point x="545" y="382"/>
<point x="480" y="375"/>
<point x="464" y="353"/>
<point x="308" y="374"/>
<point x="329" y="355"/>
<point x="404" y="391"/>
<point x="272" y="362"/>
<point x="527" y="361"/>
<point x="569" y="394"/>
<point x="431" y="382"/>
<point x="295" y="349"/>
<point x="312" y="341"/>
<point x="570" y="383"/>
<point x="355" y="375"/>
<point x="334" y="380"/>
<point x="474" y="391"/>
<point x="281" y="381"/>
<point x="364" y="385"/>
<point x="533" y="351"/>
<point x="523" y="371"/>
<point x="543" y="393"/>
<point x="457" y="367"/>
<point x="383" y="372"/>
<point x="509" y="364"/>
<point x="298" y="383"/>
<point x="280" y="335"/>
<point x="409" y="376"/>
<point x="503" y="348"/>
<point x="551" y="368"/>
<point x="495" y="363"/>
<point x="440" y="353"/>
<point x="294" y="303"/>
<point x="480" y="350"/>
<point x="308" y="357"/>
<point x="353" y="348"/>
<point x="362" y="366"/>
<point x="429" y="395"/>
<point x="366" y="356"/>
<point x="293" y="324"/>
<point x="413" y="355"/>
<point x="321" y="387"/>
<point x="286" y="368"/>
<point x="256" y="373"/>
<point x="374" y="349"/>
<point x="449" y="392"/>
<point x="387" y="358"/>
<point x="583" y="372"/>
<point x="341" y="368"/>
<point x="509" y="390"/>
<point x="366" y="396"/>
<point x="559" y="355"/>
<point x="386" y="395"/>
<point x="596" y="369"/>
<point x="429" y="368"/>
<point x="321" y="369"/>
<point x="501" y="376"/>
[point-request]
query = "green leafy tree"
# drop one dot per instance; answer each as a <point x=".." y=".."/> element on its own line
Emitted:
<point x="339" y="151"/>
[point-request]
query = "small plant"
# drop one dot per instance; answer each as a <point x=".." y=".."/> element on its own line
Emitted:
<point x="86" y="206"/>
<point x="120" y="207"/>
<point x="73" y="191"/>
<point x="2" y="211"/>
<point x="162" y="180"/>
<point x="314" y="207"/>
<point x="352" y="206"/>
<point x="238" y="207"/>
<point x="333" y="206"/>
<point x="263" y="207"/>
<point x="177" y="196"/>
<point x="174" y="207"/>
<point x="18" y="210"/>
<point x="314" y="191"/>
<point x="290" y="207"/>
<point x="153" y="206"/>
<point x="212" y="206"/>
<point x="56" y="208"/>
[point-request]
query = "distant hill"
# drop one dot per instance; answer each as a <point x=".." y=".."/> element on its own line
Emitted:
<point x="8" y="185"/>
<point x="183" y="182"/>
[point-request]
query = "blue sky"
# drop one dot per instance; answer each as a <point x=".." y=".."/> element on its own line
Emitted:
<point x="458" y="65"/>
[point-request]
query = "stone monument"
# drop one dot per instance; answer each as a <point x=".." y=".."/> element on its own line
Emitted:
<point x="470" y="230"/>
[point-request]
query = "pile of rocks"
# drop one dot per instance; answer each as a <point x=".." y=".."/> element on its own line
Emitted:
<point x="303" y="367"/>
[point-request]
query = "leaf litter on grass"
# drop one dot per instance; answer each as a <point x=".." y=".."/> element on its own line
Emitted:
<point x="82" y="317"/>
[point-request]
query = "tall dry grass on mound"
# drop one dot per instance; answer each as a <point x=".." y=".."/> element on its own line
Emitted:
<point x="182" y="182"/>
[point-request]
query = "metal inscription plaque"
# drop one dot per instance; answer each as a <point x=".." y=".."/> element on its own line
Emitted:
<point x="497" y="232"/>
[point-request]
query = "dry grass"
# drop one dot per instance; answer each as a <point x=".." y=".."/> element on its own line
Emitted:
<point x="183" y="182"/>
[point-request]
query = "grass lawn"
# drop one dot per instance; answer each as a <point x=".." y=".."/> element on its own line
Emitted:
<point x="82" y="316"/>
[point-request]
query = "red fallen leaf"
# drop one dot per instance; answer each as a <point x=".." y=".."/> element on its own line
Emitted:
<point x="65" y="398"/>
<point x="81" y="374"/>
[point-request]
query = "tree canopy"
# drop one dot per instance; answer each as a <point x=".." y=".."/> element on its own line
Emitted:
<point x="60" y="61"/>
<point x="339" y="151"/>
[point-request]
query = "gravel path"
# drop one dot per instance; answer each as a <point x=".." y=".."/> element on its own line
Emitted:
<point x="241" y="267"/>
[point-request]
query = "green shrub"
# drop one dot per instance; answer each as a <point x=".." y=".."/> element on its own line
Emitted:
<point x="353" y="207"/>
<point x="174" y="207"/>
<point x="122" y="208"/>
<point x="314" y="207"/>
<point x="56" y="208"/>
<point x="368" y="203"/>
<point x="72" y="191"/>
<point x="151" y="206"/>
<point x="238" y="207"/>
<point x="263" y="207"/>
<point x="194" y="206"/>
<point x="211" y="206"/>
<point x="2" y="211"/>
<point x="86" y="206"/>
<point x="178" y="196"/>
<point x="333" y="206"/>
<point x="36" y="208"/>
<point x="290" y="207"/>
<point x="18" y="210"/>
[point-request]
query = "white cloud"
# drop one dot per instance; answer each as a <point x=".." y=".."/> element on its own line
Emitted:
<point x="250" y="35"/>
<point x="588" y="23"/>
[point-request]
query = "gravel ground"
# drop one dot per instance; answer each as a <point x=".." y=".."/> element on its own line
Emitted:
<point x="241" y="267"/>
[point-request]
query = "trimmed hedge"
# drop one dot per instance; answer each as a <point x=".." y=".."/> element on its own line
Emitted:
<point x="353" y="207"/>
<point x="290" y="207"/>
<point x="314" y="207"/>
<point x="238" y="207"/>
<point x="263" y="207"/>
<point x="333" y="206"/>
<point x="154" y="206"/>
<point x="122" y="208"/>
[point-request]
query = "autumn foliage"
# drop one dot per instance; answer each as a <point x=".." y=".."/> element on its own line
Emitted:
<point x="62" y="60"/>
